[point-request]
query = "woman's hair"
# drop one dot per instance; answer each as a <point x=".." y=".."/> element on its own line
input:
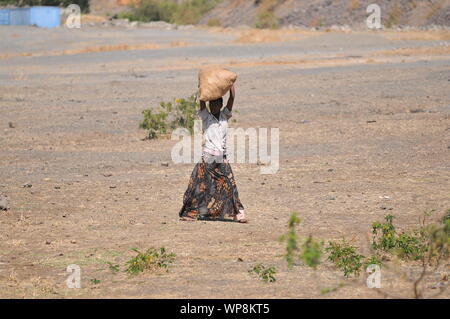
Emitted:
<point x="218" y="102"/>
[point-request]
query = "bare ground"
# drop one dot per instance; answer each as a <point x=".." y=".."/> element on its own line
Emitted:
<point x="361" y="116"/>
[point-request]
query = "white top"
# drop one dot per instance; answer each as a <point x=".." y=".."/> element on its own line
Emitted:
<point x="215" y="131"/>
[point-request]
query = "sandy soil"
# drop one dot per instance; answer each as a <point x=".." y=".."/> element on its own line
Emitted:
<point x="361" y="116"/>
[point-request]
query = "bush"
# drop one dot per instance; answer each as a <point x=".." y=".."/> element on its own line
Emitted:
<point x="170" y="116"/>
<point x="265" y="19"/>
<point x="291" y="239"/>
<point x="311" y="252"/>
<point x="152" y="259"/>
<point x="186" y="12"/>
<point x="266" y="274"/>
<point x="213" y="23"/>
<point x="84" y="4"/>
<point x="345" y="257"/>
<point x="406" y="246"/>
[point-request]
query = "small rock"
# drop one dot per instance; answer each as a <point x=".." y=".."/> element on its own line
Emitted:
<point x="27" y="185"/>
<point x="73" y="241"/>
<point x="164" y="164"/>
<point x="48" y="242"/>
<point x="11" y="125"/>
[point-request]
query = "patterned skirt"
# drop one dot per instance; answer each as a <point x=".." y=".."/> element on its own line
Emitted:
<point x="212" y="192"/>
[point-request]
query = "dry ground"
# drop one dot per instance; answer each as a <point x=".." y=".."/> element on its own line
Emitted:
<point x="361" y="116"/>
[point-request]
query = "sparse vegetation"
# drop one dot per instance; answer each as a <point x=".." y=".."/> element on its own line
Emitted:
<point x="386" y="239"/>
<point x="446" y="216"/>
<point x="265" y="17"/>
<point x="213" y="23"/>
<point x="84" y="4"/>
<point x="354" y="5"/>
<point x="325" y="291"/>
<point x="345" y="257"/>
<point x="291" y="239"/>
<point x="180" y="113"/>
<point x="152" y="259"/>
<point x="311" y="252"/>
<point x="394" y="17"/>
<point x="113" y="267"/>
<point x="434" y="242"/>
<point x="266" y="274"/>
<point x="185" y="12"/>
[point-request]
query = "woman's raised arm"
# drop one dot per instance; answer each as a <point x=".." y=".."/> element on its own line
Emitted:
<point x="231" y="99"/>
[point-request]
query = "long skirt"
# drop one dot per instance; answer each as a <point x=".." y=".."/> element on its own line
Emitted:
<point x="211" y="193"/>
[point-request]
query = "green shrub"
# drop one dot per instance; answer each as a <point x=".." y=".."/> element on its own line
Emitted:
<point x="180" y="113"/>
<point x="406" y="246"/>
<point x="345" y="257"/>
<point x="446" y="216"/>
<point x="213" y="22"/>
<point x="311" y="252"/>
<point x="113" y="267"/>
<point x="372" y="260"/>
<point x="152" y="259"/>
<point x="266" y="274"/>
<point x="186" y="12"/>
<point x="437" y="241"/>
<point x="84" y="4"/>
<point x="291" y="239"/>
<point x="265" y="19"/>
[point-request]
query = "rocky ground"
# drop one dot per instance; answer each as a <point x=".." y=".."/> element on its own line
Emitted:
<point x="317" y="13"/>
<point x="364" y="123"/>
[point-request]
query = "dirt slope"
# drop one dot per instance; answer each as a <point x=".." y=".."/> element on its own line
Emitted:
<point x="327" y="12"/>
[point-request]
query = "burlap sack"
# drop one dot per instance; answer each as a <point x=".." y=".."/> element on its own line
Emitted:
<point x="214" y="82"/>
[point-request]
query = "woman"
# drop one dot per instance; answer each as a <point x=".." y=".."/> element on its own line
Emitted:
<point x="212" y="191"/>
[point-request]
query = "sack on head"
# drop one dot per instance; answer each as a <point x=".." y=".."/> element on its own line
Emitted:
<point x="214" y="82"/>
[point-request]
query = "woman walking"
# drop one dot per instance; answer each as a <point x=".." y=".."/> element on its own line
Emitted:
<point x="212" y="191"/>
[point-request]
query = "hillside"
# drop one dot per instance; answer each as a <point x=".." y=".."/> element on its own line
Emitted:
<point x="328" y="12"/>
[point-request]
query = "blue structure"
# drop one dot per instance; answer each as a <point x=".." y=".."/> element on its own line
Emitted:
<point x="45" y="17"/>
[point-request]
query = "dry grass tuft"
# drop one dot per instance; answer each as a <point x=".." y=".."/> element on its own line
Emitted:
<point x="88" y="18"/>
<point x="417" y="35"/>
<point x="442" y="50"/>
<point x="267" y="36"/>
<point x="100" y="48"/>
